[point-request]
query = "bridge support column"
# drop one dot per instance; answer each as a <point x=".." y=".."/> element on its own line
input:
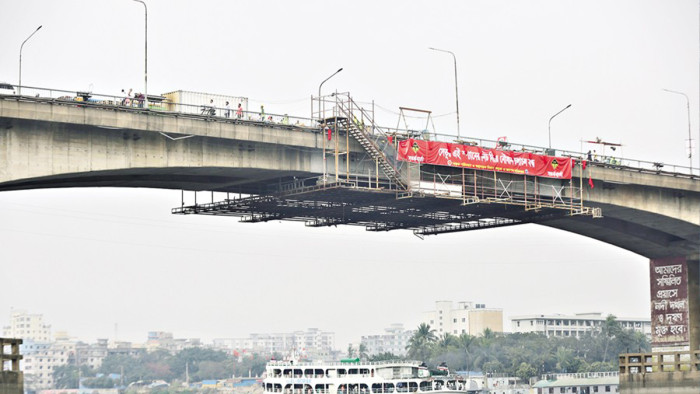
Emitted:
<point x="673" y="366"/>
<point x="675" y="303"/>
<point x="693" y="263"/>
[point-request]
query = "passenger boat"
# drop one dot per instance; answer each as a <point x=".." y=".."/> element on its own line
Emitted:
<point x="353" y="376"/>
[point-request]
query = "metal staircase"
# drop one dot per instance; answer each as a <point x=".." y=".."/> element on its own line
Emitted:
<point x="347" y="119"/>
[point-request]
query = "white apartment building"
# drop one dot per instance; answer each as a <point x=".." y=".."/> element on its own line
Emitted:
<point x="573" y="325"/>
<point x="394" y="340"/>
<point x="466" y="318"/>
<point x="40" y="360"/>
<point x="30" y="327"/>
<point x="310" y="343"/>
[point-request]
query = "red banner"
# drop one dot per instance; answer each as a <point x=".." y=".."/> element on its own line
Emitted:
<point x="474" y="157"/>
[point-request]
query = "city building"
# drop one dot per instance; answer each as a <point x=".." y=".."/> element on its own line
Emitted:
<point x="127" y="349"/>
<point x="573" y="325"/>
<point x="42" y="358"/>
<point x="394" y="340"/>
<point x="312" y="343"/>
<point x="27" y="326"/>
<point x="466" y="318"/>
<point x="160" y="340"/>
<point x="581" y="383"/>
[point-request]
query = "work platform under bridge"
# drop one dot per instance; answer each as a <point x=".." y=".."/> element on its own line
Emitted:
<point x="425" y="198"/>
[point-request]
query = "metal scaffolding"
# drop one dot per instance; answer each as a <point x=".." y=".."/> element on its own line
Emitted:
<point x="427" y="199"/>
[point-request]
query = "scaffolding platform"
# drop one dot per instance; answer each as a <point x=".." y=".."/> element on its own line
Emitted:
<point x="332" y="204"/>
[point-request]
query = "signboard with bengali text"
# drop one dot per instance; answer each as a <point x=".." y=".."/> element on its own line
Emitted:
<point x="669" y="302"/>
<point x="474" y="157"/>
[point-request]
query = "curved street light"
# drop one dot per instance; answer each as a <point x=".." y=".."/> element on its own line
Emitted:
<point x="319" y="90"/>
<point x="690" y="141"/>
<point x="320" y="117"/>
<point x="550" y="124"/>
<point x="456" y="93"/>
<point x="20" y="58"/>
<point x="145" y="69"/>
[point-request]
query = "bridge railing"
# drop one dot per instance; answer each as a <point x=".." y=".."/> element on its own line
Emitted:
<point x="156" y="103"/>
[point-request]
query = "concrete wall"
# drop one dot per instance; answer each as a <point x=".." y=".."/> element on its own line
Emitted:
<point x="42" y="140"/>
<point x="11" y="382"/>
<point x="481" y="319"/>
<point x="693" y="264"/>
<point x="687" y="382"/>
<point x="677" y="197"/>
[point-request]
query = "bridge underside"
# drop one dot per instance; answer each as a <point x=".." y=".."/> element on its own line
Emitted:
<point x="219" y="179"/>
<point x="645" y="233"/>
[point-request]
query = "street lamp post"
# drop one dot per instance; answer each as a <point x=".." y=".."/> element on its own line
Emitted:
<point x="320" y="117"/>
<point x="145" y="57"/>
<point x="690" y="141"/>
<point x="20" y="59"/>
<point x="550" y="124"/>
<point x="456" y="91"/>
<point x="319" y="90"/>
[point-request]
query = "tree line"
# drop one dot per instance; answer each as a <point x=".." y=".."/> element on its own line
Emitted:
<point x="197" y="364"/>
<point x="527" y="355"/>
<point x="522" y="355"/>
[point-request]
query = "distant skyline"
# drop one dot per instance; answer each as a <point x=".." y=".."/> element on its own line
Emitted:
<point x="90" y="258"/>
<point x="507" y="327"/>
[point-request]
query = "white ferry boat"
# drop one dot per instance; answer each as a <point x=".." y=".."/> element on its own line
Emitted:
<point x="359" y="377"/>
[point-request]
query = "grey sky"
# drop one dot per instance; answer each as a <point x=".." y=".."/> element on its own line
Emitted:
<point x="90" y="258"/>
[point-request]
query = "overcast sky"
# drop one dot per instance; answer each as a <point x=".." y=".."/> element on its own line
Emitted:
<point x="92" y="258"/>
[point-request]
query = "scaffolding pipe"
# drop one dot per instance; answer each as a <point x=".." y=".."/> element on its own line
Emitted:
<point x="495" y="186"/>
<point x="347" y="155"/>
<point x="581" y="186"/>
<point x="571" y="195"/>
<point x="376" y="170"/>
<point x="464" y="188"/>
<point x="336" y="151"/>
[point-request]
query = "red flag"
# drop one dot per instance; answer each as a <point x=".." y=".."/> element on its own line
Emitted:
<point x="590" y="182"/>
<point x="330" y="133"/>
<point x="583" y="164"/>
<point x="391" y="139"/>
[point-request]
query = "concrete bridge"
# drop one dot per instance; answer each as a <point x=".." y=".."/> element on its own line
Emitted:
<point x="45" y="143"/>
<point x="48" y="144"/>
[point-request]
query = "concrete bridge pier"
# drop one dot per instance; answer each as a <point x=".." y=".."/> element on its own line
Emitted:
<point x="693" y="263"/>
<point x="673" y="366"/>
<point x="675" y="303"/>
